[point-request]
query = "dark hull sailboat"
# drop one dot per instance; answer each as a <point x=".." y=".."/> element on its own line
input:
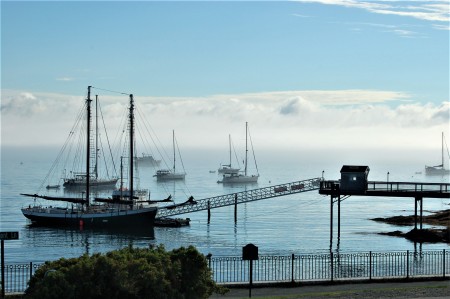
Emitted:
<point x="125" y="211"/>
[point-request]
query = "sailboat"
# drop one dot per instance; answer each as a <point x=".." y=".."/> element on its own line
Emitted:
<point x="78" y="180"/>
<point x="438" y="169"/>
<point x="170" y="174"/>
<point x="241" y="178"/>
<point x="120" y="212"/>
<point x="228" y="168"/>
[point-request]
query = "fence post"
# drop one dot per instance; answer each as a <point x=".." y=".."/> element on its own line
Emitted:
<point x="443" y="263"/>
<point x="31" y="270"/>
<point x="292" y="268"/>
<point x="370" y="265"/>
<point x="407" y="264"/>
<point x="332" y="266"/>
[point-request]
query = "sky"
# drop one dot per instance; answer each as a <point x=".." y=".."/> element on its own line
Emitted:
<point x="319" y="74"/>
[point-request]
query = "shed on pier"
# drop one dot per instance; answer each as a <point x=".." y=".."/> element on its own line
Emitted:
<point x="354" y="178"/>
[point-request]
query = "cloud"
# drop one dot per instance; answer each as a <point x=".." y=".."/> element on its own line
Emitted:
<point x="66" y="79"/>
<point x="311" y="118"/>
<point x="434" y="11"/>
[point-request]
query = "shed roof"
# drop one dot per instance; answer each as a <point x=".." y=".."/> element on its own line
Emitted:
<point x="354" y="168"/>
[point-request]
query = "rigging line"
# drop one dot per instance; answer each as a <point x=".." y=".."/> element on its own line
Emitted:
<point x="235" y="154"/>
<point x="107" y="140"/>
<point x="113" y="91"/>
<point x="157" y="144"/>
<point x="448" y="153"/>
<point x="253" y="151"/>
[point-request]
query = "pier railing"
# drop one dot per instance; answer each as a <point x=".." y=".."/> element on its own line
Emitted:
<point x="298" y="267"/>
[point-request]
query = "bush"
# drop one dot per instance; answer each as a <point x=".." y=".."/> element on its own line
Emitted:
<point x="127" y="273"/>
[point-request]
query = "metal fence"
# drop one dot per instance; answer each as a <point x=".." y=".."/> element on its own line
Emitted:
<point x="332" y="266"/>
<point x="298" y="268"/>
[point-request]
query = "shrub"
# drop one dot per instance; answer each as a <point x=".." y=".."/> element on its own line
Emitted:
<point x="127" y="273"/>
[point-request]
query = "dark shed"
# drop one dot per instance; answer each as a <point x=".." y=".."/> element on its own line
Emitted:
<point x="354" y="178"/>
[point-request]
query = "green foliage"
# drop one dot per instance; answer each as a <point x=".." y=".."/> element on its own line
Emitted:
<point x="127" y="273"/>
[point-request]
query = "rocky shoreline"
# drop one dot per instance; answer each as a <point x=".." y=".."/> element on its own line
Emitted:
<point x="430" y="235"/>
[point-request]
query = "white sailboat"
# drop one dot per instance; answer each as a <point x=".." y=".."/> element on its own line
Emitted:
<point x="170" y="174"/>
<point x="228" y="168"/>
<point x="241" y="178"/>
<point x="78" y="180"/>
<point x="438" y="169"/>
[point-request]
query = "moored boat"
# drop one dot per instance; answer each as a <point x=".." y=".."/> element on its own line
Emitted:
<point x="122" y="211"/>
<point x="438" y="169"/>
<point x="241" y="178"/>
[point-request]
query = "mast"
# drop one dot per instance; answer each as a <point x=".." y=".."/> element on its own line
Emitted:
<point x="442" y="150"/>
<point x="96" y="137"/>
<point x="246" y="149"/>
<point x="131" y="144"/>
<point x="173" y="144"/>
<point x="88" y="145"/>
<point x="229" y="145"/>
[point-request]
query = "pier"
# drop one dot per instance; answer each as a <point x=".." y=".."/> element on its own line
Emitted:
<point x="354" y="182"/>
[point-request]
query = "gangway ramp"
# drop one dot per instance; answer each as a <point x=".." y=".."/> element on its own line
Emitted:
<point x="240" y="197"/>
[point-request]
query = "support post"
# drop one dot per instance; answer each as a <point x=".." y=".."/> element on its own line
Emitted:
<point x="331" y="222"/>
<point x="235" y="208"/>
<point x="415" y="212"/>
<point x="339" y="217"/>
<point x="421" y="212"/>
<point x="209" y="211"/>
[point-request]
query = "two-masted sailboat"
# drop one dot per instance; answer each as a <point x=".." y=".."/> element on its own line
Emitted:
<point x="438" y="169"/>
<point x="119" y="212"/>
<point x="239" y="177"/>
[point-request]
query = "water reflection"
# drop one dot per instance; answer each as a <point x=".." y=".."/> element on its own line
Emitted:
<point x="84" y="240"/>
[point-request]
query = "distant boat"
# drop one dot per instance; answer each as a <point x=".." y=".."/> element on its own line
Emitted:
<point x="241" y="178"/>
<point x="438" y="169"/>
<point x="147" y="160"/>
<point x="119" y="212"/>
<point x="77" y="180"/>
<point x="227" y="168"/>
<point x="170" y="174"/>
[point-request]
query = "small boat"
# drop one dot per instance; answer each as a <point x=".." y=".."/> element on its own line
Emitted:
<point x="122" y="211"/>
<point x="172" y="222"/>
<point x="228" y="168"/>
<point x="241" y="178"/>
<point x="170" y="174"/>
<point x="147" y="160"/>
<point x="52" y="187"/>
<point x="438" y="169"/>
<point x="212" y="171"/>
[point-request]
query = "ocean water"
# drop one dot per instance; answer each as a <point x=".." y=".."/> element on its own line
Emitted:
<point x="284" y="225"/>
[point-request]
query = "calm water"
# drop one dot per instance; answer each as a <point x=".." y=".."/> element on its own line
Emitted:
<point x="284" y="225"/>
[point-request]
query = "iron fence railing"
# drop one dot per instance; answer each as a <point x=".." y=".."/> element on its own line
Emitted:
<point x="298" y="267"/>
<point x="332" y="266"/>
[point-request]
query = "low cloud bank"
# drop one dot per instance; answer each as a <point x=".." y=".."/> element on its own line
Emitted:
<point x="291" y="119"/>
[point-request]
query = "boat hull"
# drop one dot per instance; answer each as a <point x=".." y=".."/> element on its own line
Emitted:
<point x="239" y="179"/>
<point x="430" y="170"/>
<point x="74" y="183"/>
<point x="104" y="218"/>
